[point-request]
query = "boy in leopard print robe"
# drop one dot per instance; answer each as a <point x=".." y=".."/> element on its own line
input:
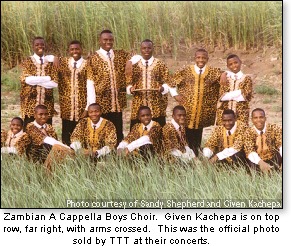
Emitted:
<point x="226" y="142"/>
<point x="72" y="89"/>
<point x="237" y="93"/>
<point x="94" y="135"/>
<point x="15" y="141"/>
<point x="175" y="146"/>
<point x="144" y="136"/>
<point x="39" y="77"/>
<point x="263" y="143"/>
<point x="198" y="86"/>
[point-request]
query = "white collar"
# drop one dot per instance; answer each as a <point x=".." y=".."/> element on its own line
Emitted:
<point x="104" y="52"/>
<point x="258" y="131"/>
<point x="79" y="62"/>
<point x="37" y="58"/>
<point x="197" y="69"/>
<point x="232" y="130"/>
<point x="150" y="61"/>
<point x="39" y="126"/>
<point x="98" y="123"/>
<point x="232" y="75"/>
<point x="175" y="124"/>
<point x="149" y="126"/>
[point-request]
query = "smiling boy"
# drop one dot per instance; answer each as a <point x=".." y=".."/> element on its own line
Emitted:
<point x="226" y="142"/>
<point x="72" y="89"/>
<point x="144" y="136"/>
<point x="95" y="135"/>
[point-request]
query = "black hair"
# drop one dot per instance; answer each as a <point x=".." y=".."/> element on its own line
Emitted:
<point x="38" y="37"/>
<point x="142" y="108"/>
<point x="147" y="41"/>
<point x="258" y="109"/>
<point x="228" y="111"/>
<point x="75" y="42"/>
<point x="232" y="56"/>
<point x="18" y="118"/>
<point x="201" y="50"/>
<point x="178" y="107"/>
<point x="105" y="31"/>
<point x="95" y="104"/>
<point x="40" y="106"/>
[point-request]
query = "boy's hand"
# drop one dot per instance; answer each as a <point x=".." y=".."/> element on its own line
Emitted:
<point x="56" y="62"/>
<point x="180" y="99"/>
<point x="264" y="166"/>
<point x="213" y="159"/>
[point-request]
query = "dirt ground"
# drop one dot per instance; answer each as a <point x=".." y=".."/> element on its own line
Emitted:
<point x="265" y="67"/>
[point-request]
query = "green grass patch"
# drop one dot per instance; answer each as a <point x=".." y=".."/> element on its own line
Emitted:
<point x="266" y="90"/>
<point x="26" y="185"/>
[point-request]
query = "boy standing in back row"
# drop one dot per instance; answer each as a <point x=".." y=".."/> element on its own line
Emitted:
<point x="236" y="93"/>
<point x="198" y="86"/>
<point x="38" y="78"/>
<point x="72" y="89"/>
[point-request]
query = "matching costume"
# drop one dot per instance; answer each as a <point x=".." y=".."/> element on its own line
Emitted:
<point x="149" y="74"/>
<point x="72" y="93"/>
<point x="226" y="144"/>
<point x="236" y="96"/>
<point x="38" y="79"/>
<point x="15" y="143"/>
<point x="100" y="137"/>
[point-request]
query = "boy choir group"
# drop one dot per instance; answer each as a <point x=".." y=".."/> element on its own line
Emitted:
<point x="92" y="96"/>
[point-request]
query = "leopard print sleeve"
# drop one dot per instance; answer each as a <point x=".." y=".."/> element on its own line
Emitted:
<point x="111" y="137"/>
<point x="133" y="134"/>
<point x="22" y="144"/>
<point x="3" y="137"/>
<point x="35" y="134"/>
<point x="78" y="134"/>
<point x="178" y="77"/>
<point x="214" y="139"/>
<point x="277" y="135"/>
<point x="249" y="141"/>
<point x="239" y="136"/>
<point x="247" y="88"/>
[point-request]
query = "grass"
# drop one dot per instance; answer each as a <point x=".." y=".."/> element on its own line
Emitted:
<point x="266" y="90"/>
<point x="24" y="184"/>
<point x="241" y="25"/>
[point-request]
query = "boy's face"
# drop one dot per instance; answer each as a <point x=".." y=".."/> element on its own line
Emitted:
<point x="41" y="116"/>
<point x="15" y="126"/>
<point x="146" y="50"/>
<point x="75" y="51"/>
<point x="201" y="58"/>
<point x="38" y="47"/>
<point x="94" y="113"/>
<point x="234" y="64"/>
<point x="145" y="116"/>
<point x="228" y="121"/>
<point x="259" y="119"/>
<point x="106" y="41"/>
<point x="180" y="116"/>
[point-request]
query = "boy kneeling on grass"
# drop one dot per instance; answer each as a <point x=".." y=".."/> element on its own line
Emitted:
<point x="94" y="135"/>
<point x="225" y="145"/>
<point x="44" y="139"/>
<point x="144" y="137"/>
<point x="174" y="137"/>
<point x="14" y="142"/>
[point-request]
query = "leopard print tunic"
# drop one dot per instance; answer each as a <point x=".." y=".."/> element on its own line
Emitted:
<point x="201" y="96"/>
<point x="273" y="141"/>
<point x="219" y="140"/>
<point x="155" y="135"/>
<point x="109" y="80"/>
<point x="38" y="150"/>
<point x="242" y="109"/>
<point x="31" y="96"/>
<point x="72" y="89"/>
<point x="151" y="78"/>
<point x="172" y="140"/>
<point x="20" y="142"/>
<point x="105" y="135"/>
